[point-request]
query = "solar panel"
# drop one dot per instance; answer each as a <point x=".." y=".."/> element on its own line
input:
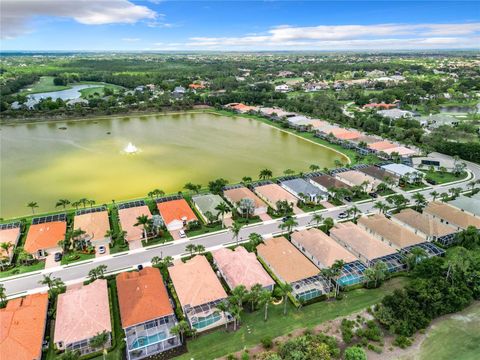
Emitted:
<point x="12" y="225"/>
<point x="49" y="218"/>
<point x="168" y="198"/>
<point x="91" y="210"/>
<point x="131" y="204"/>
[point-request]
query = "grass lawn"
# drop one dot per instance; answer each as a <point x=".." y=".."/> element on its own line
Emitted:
<point x="386" y="192"/>
<point x="158" y="240"/>
<point x="204" y="230"/>
<point x="100" y="89"/>
<point x="441" y="177"/>
<point x="363" y="196"/>
<point x="81" y="257"/>
<point x="22" y="269"/>
<point x="464" y="345"/>
<point x="45" y="84"/>
<point x="409" y="187"/>
<point x="253" y="327"/>
<point x="311" y="207"/>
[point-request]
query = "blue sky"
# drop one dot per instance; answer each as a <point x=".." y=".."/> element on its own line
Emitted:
<point x="238" y="25"/>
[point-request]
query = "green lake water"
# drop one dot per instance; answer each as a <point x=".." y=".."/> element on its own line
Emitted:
<point x="43" y="163"/>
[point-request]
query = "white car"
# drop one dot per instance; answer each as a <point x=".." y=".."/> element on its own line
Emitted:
<point x="101" y="249"/>
<point x="182" y="234"/>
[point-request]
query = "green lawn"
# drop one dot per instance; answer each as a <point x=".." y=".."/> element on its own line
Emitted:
<point x="204" y="230"/>
<point x="311" y="207"/>
<point x="253" y="328"/>
<point x="22" y="269"/>
<point x="441" y="177"/>
<point x="99" y="90"/>
<point x="409" y="187"/>
<point x="45" y="84"/>
<point x="81" y="257"/>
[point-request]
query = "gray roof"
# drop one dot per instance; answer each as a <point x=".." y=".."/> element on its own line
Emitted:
<point x="304" y="187"/>
<point x="469" y="204"/>
<point x="207" y="202"/>
<point x="400" y="169"/>
<point x="394" y="113"/>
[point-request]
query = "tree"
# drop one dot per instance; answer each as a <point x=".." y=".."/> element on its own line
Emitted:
<point x="156" y="193"/>
<point x="246" y="179"/>
<point x="63" y="203"/>
<point x="216" y="186"/>
<point x="444" y="197"/>
<point x="254" y="295"/>
<point x="224" y="307"/>
<point x="69" y="355"/>
<point x="283" y="207"/>
<point x="338" y="163"/>
<point x="288" y="225"/>
<point x="156" y="261"/>
<point x="145" y="223"/>
<point x="247" y="207"/>
<point x="381" y="207"/>
<point x="264" y="300"/>
<point x="55" y="285"/>
<point x="288" y="172"/>
<point x="84" y="202"/>
<point x="75" y="204"/>
<point x="468" y="238"/>
<point x="328" y="223"/>
<point x="6" y="246"/>
<point x="254" y="240"/>
<point x="317" y="219"/>
<point x="222" y="209"/>
<point x="376" y="273"/>
<point x="235" y="229"/>
<point x="99" y="341"/>
<point x="199" y="248"/>
<point x="353" y="211"/>
<point x="265" y="174"/>
<point x="434" y="194"/>
<point x="336" y="269"/>
<point x="97" y="272"/>
<point x="191" y="248"/>
<point x="284" y="289"/>
<point x="32" y="205"/>
<point x="414" y="256"/>
<point x="355" y="353"/>
<point x="180" y="329"/>
<point x="3" y="296"/>
<point x="193" y="187"/>
<point x="314" y="167"/>
<point x="420" y="201"/>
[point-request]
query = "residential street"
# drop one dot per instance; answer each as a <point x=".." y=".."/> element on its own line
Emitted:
<point x="70" y="274"/>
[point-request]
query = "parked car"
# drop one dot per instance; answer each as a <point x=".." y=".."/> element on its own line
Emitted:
<point x="182" y="233"/>
<point x="288" y="217"/>
<point x="342" y="215"/>
<point x="431" y="181"/>
<point x="348" y="198"/>
<point x="58" y="256"/>
<point x="373" y="195"/>
<point x="140" y="267"/>
<point x="101" y="249"/>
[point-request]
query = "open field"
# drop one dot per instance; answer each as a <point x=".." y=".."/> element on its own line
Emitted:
<point x="45" y="84"/>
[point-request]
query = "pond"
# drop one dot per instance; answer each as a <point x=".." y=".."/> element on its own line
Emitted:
<point x="67" y="94"/>
<point x="44" y="162"/>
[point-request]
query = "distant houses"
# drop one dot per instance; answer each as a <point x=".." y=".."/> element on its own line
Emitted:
<point x="10" y="234"/>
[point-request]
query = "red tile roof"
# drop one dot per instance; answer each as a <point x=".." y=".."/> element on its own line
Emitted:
<point x="45" y="236"/>
<point x="176" y="210"/>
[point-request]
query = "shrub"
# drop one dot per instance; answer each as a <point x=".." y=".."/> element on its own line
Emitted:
<point x="347" y="330"/>
<point x="402" y="342"/>
<point x="355" y="353"/>
<point x="267" y="342"/>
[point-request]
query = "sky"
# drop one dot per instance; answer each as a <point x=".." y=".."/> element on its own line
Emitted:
<point x="157" y="25"/>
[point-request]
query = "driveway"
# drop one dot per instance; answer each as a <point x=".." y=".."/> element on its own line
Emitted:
<point x="50" y="261"/>
<point x="135" y="244"/>
<point x="107" y="250"/>
<point x="175" y="234"/>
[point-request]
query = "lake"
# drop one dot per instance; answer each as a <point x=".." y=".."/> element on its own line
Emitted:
<point x="43" y="163"/>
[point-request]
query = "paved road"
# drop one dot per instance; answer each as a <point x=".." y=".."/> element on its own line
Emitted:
<point x="123" y="261"/>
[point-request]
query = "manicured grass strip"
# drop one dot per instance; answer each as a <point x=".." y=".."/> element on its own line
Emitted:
<point x="81" y="257"/>
<point x="441" y="177"/>
<point x="253" y="328"/>
<point x="45" y="84"/>
<point x="22" y="269"/>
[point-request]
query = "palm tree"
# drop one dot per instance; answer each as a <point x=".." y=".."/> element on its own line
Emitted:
<point x="32" y="205"/>
<point x="224" y="307"/>
<point x="199" y="248"/>
<point x="75" y="204"/>
<point x="317" y="219"/>
<point x="239" y="294"/>
<point x="110" y="233"/>
<point x="193" y="187"/>
<point x="285" y="289"/>
<point x="254" y="295"/>
<point x="246" y="179"/>
<point x="84" y="202"/>
<point x="123" y="236"/>
<point x="288" y="225"/>
<point x="434" y="194"/>
<point x="69" y="355"/>
<point x="91" y="203"/>
<point x="99" y="341"/>
<point x="156" y="260"/>
<point x="180" y="329"/>
<point x="415" y="255"/>
<point x="444" y="196"/>
<point x="222" y="209"/>
<point x="264" y="300"/>
<point x="3" y="296"/>
<point x="167" y="261"/>
<point x="254" y="240"/>
<point x="338" y="163"/>
<point x="314" y="167"/>
<point x="265" y="174"/>
<point x="328" y="274"/>
<point x="97" y="272"/>
<point x="235" y="228"/>
<point x="191" y="248"/>
<point x="328" y="223"/>
<point x="353" y="211"/>
<point x="380" y="206"/>
<point x="288" y="172"/>
<point x="377" y="272"/>
<point x="420" y="200"/>
<point x="336" y="270"/>
<point x="55" y="285"/>
<point x="63" y="203"/>
<point x="6" y="246"/>
<point x="144" y="222"/>
<point x="472" y="184"/>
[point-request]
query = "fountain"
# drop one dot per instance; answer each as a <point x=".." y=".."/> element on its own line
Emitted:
<point x="130" y="149"/>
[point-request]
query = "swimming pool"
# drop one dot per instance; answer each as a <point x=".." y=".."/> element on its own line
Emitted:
<point x="148" y="340"/>
<point x="206" y="321"/>
<point x="350" y="280"/>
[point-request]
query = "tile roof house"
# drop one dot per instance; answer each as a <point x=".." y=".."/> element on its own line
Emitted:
<point x="321" y="249"/>
<point x="450" y="215"/>
<point x="208" y="203"/>
<point x="128" y="219"/>
<point x="9" y="233"/>
<point x="23" y="323"/>
<point x="42" y="239"/>
<point x="82" y="313"/>
<point x="470" y="205"/>
<point x="379" y="173"/>
<point x="344" y="134"/>
<point x="236" y="194"/>
<point x="400" y="150"/>
<point x="303" y="189"/>
<point x="359" y="242"/>
<point x="389" y="231"/>
<point x="357" y="178"/>
<point x="403" y="171"/>
<point x="382" y="145"/>
<point x="241" y="108"/>
<point x="326" y="182"/>
<point x="290" y="266"/>
<point x="199" y="291"/>
<point x="240" y="267"/>
<point x="176" y="214"/>
<point x="272" y="193"/>
<point x="423" y="225"/>
<point x="95" y="225"/>
<point x="146" y="313"/>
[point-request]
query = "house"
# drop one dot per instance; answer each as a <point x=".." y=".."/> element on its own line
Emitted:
<point x="196" y="86"/>
<point x="273" y="193"/>
<point x="289" y="265"/>
<point x="82" y="313"/>
<point x="273" y="113"/>
<point x="437" y="120"/>
<point x="283" y="88"/>
<point x="176" y="214"/>
<point x="358" y="178"/>
<point x="400" y="150"/>
<point x="380" y="106"/>
<point x="240" y="108"/>
<point x="23" y="322"/>
<point x="199" y="291"/>
<point x="44" y="234"/>
<point x="179" y="90"/>
<point x="304" y="190"/>
<point x="95" y="223"/>
<point x="327" y="182"/>
<point x="366" y="247"/>
<point x="402" y="171"/>
<point x="382" y="145"/>
<point x="146" y="313"/>
<point x="450" y="215"/>
<point x="235" y="195"/>
<point x="436" y="162"/>
<point x="469" y="205"/>
<point x="344" y="134"/>
<point x="9" y="233"/>
<point x="208" y="204"/>
<point x="312" y="87"/>
<point x="240" y="267"/>
<point x="323" y="251"/>
<point x="128" y="214"/>
<point x="395" y="114"/>
<point x="379" y="173"/>
<point x="394" y="234"/>
<point x="427" y="227"/>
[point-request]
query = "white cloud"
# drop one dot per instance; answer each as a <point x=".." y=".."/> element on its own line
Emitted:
<point x="379" y="36"/>
<point x="16" y="15"/>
